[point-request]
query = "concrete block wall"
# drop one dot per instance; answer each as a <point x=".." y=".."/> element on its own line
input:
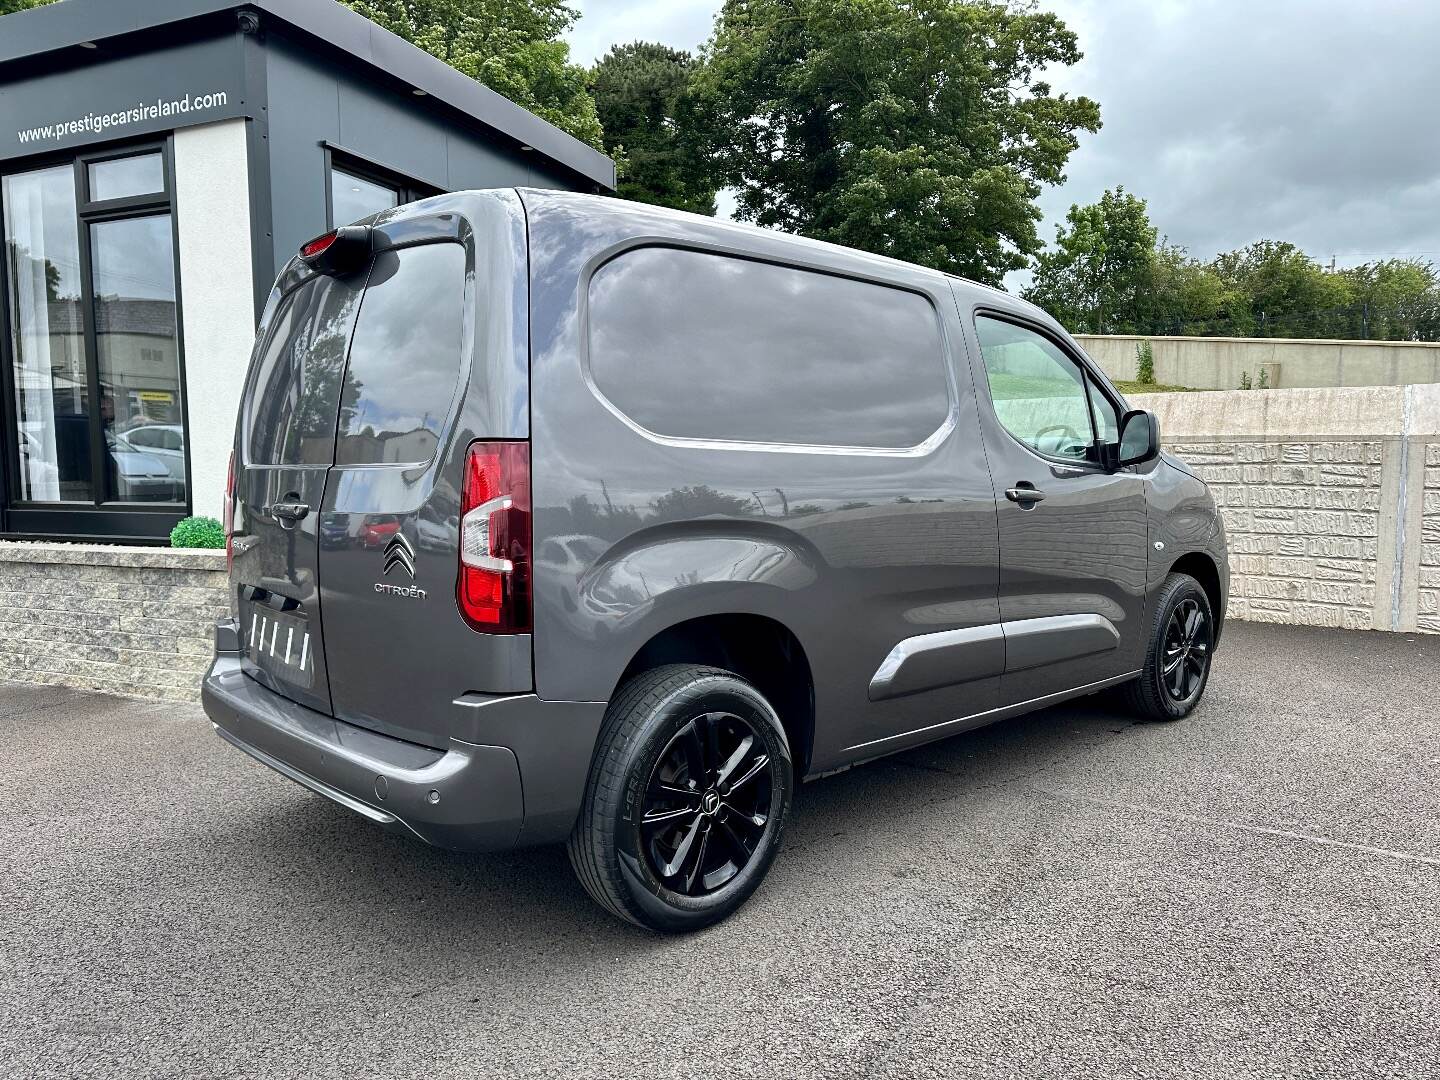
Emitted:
<point x="1331" y="499"/>
<point x="137" y="621"/>
<point x="1428" y="600"/>
<point x="1204" y="363"/>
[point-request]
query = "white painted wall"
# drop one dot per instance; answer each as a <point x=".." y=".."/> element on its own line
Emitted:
<point x="212" y="209"/>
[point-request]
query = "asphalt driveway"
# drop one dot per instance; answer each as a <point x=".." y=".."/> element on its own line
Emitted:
<point x="1252" y="892"/>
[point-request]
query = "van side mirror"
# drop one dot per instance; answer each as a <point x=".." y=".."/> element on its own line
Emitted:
<point x="1139" y="438"/>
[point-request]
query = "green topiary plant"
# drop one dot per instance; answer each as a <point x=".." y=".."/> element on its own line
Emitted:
<point x="1145" y="364"/>
<point x="198" y="532"/>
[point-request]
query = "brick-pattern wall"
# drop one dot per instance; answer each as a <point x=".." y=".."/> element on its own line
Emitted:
<point x="136" y="621"/>
<point x="1302" y="520"/>
<point x="1429" y="607"/>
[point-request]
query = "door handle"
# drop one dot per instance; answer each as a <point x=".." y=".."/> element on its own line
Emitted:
<point x="1025" y="494"/>
<point x="291" y="512"/>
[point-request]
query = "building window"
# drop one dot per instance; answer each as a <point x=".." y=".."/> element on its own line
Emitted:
<point x="358" y="190"/>
<point x="92" y="347"/>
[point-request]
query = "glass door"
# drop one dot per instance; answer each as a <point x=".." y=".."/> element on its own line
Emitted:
<point x="92" y="358"/>
<point x="47" y="337"/>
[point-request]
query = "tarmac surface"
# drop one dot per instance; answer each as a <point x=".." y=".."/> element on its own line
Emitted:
<point x="1253" y="892"/>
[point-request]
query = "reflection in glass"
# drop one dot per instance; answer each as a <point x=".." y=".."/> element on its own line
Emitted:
<point x="120" y="178"/>
<point x="1038" y="391"/>
<point x="353" y="197"/>
<point x="405" y="358"/>
<point x="42" y="254"/>
<point x="694" y="345"/>
<point x="133" y="277"/>
<point x="301" y="382"/>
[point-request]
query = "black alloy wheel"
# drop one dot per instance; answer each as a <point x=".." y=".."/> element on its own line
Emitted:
<point x="707" y="803"/>
<point x="1186" y="653"/>
<point x="1178" y="652"/>
<point x="685" y="804"/>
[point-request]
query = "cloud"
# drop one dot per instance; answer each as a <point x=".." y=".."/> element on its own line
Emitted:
<point x="1301" y="120"/>
<point x="682" y="24"/>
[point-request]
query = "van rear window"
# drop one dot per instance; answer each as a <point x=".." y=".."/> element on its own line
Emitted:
<point x="405" y="359"/>
<point x="695" y="345"/>
<point x="297" y="387"/>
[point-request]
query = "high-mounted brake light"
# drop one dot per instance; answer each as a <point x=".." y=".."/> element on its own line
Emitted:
<point x="494" y="586"/>
<point x="230" y="513"/>
<point x="339" y="251"/>
<point x="318" y="246"/>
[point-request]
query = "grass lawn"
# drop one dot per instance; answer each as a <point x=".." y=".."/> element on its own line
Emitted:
<point x="1151" y="388"/>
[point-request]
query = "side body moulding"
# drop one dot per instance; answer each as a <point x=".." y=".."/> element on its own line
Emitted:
<point x="950" y="657"/>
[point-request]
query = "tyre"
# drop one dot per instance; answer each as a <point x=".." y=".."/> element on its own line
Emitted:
<point x="1177" y="653"/>
<point x="686" y="799"/>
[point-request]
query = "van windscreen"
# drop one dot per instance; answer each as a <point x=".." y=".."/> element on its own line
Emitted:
<point x="297" y="390"/>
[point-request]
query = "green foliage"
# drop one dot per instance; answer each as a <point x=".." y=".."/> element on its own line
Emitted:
<point x="1245" y="383"/>
<point x="8" y="7"/>
<point x="1145" y="363"/>
<point x="920" y="129"/>
<point x="1264" y="383"/>
<point x="515" y="47"/>
<point x="198" y="532"/>
<point x="1397" y="300"/>
<point x="1107" y="274"/>
<point x="1095" y="278"/>
<point x="642" y="95"/>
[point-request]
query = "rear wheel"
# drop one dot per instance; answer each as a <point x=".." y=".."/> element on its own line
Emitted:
<point x="686" y="799"/>
<point x="1177" y="657"/>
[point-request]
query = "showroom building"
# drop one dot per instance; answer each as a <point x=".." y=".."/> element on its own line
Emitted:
<point x="160" y="161"/>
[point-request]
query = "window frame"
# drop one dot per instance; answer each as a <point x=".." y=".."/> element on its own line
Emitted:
<point x="1090" y="379"/>
<point x="948" y="357"/>
<point x="337" y="159"/>
<point x="99" y="517"/>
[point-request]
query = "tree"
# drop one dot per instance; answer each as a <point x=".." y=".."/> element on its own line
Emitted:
<point x="1394" y="300"/>
<point x="1095" y="278"/>
<point x="1286" y="293"/>
<point x="512" y="46"/>
<point x="1184" y="296"/>
<point x="8" y="7"/>
<point x="914" y="128"/>
<point x="642" y="96"/>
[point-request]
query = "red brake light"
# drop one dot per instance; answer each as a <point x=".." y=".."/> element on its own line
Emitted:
<point x="494" y="587"/>
<point x="230" y="513"/>
<point x="318" y="246"/>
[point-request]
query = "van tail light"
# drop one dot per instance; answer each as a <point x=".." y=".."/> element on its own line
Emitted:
<point x="494" y="586"/>
<point x="230" y="513"/>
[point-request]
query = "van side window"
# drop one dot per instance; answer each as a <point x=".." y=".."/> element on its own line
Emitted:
<point x="695" y="345"/>
<point x="299" y="373"/>
<point x="405" y="358"/>
<point x="1040" y="393"/>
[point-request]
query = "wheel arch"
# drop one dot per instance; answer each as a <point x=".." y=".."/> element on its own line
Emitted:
<point x="761" y="650"/>
<point x="1201" y="567"/>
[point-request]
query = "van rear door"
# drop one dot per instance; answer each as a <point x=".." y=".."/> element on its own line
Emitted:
<point x="287" y="446"/>
<point x="399" y="651"/>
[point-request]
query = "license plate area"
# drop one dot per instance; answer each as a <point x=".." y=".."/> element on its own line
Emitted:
<point x="279" y="643"/>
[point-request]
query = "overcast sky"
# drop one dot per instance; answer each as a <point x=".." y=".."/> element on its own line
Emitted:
<point x="1312" y="121"/>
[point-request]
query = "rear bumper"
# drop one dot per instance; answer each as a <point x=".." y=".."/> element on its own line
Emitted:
<point x="465" y="797"/>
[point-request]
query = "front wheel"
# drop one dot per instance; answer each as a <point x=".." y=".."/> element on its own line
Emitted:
<point x="1178" y="654"/>
<point x="686" y="799"/>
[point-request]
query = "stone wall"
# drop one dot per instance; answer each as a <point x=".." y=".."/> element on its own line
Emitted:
<point x="1331" y="499"/>
<point x="136" y="621"/>
<point x="1428" y="601"/>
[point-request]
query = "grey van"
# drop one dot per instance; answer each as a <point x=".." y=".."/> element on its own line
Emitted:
<point x="556" y="518"/>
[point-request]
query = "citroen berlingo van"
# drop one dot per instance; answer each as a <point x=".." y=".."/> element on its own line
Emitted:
<point x="556" y="518"/>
